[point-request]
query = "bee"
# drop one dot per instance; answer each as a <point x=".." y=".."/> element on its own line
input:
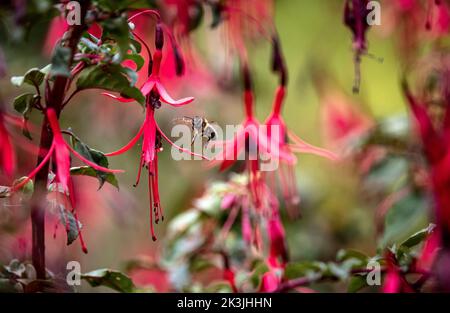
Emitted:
<point x="200" y="127"/>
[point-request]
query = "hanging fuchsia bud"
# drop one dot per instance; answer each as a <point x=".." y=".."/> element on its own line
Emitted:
<point x="179" y="61"/>
<point x="247" y="79"/>
<point x="278" y="254"/>
<point x="278" y="64"/>
<point x="159" y="36"/>
<point x="355" y="18"/>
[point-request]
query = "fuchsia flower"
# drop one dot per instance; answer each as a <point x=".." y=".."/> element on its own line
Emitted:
<point x="355" y="18"/>
<point x="286" y="172"/>
<point x="183" y="11"/>
<point x="150" y="132"/>
<point x="342" y="120"/>
<point x="7" y="153"/>
<point x="278" y="253"/>
<point x="394" y="281"/>
<point x="436" y="145"/>
<point x="59" y="152"/>
<point x="252" y="139"/>
<point x="438" y="17"/>
<point x="246" y="19"/>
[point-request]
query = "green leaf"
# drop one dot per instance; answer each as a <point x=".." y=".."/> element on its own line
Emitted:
<point x="259" y="269"/>
<point x="95" y="156"/>
<point x="112" y="77"/>
<point x="344" y="255"/>
<point x="28" y="188"/>
<point x="89" y="171"/>
<point x="137" y="59"/>
<point x="418" y="237"/>
<point x="120" y="5"/>
<point x="69" y="222"/>
<point x="181" y="223"/>
<point x="109" y="278"/>
<point x="60" y="62"/>
<point x="24" y="102"/>
<point x="405" y="217"/>
<point x="357" y="283"/>
<point x="387" y="172"/>
<point x="9" y="286"/>
<point x="33" y="77"/>
<point x="301" y="269"/>
<point x="117" y="29"/>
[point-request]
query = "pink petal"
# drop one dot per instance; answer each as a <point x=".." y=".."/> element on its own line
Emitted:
<point x="121" y="99"/>
<point x="148" y="86"/>
<point x="304" y="147"/>
<point x="62" y="158"/>
<point x="130" y="144"/>
<point x="35" y="171"/>
<point x="149" y="140"/>
<point x="7" y="154"/>
<point x="92" y="164"/>
<point x="232" y="150"/>
<point x="165" y="97"/>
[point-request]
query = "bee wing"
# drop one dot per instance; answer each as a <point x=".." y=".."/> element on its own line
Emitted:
<point x="183" y="120"/>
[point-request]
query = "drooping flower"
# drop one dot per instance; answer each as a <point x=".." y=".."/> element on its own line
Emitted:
<point x="253" y="139"/>
<point x="435" y="139"/>
<point x="438" y="17"/>
<point x="7" y="153"/>
<point x="342" y="121"/>
<point x="286" y="171"/>
<point x="246" y="19"/>
<point x="59" y="152"/>
<point x="394" y="280"/>
<point x="150" y="132"/>
<point x="355" y="18"/>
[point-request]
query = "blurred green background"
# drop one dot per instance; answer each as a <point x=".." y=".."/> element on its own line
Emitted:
<point x="335" y="215"/>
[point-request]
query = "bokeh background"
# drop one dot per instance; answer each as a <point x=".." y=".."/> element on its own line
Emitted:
<point x="317" y="47"/>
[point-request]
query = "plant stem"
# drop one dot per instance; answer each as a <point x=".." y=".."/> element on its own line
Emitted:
<point x="38" y="207"/>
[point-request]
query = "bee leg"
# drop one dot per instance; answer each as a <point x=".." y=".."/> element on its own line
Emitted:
<point x="194" y="137"/>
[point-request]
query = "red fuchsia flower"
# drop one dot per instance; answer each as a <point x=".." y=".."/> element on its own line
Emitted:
<point x="247" y="18"/>
<point x="429" y="251"/>
<point x="394" y="280"/>
<point x="254" y="141"/>
<point x="278" y="253"/>
<point x="286" y="172"/>
<point x="355" y="18"/>
<point x="269" y="282"/>
<point x="150" y="132"/>
<point x="186" y="13"/>
<point x="153" y="82"/>
<point x="436" y="145"/>
<point x="438" y="17"/>
<point x="7" y="153"/>
<point x="342" y="120"/>
<point x="59" y="152"/>
<point x="228" y="272"/>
